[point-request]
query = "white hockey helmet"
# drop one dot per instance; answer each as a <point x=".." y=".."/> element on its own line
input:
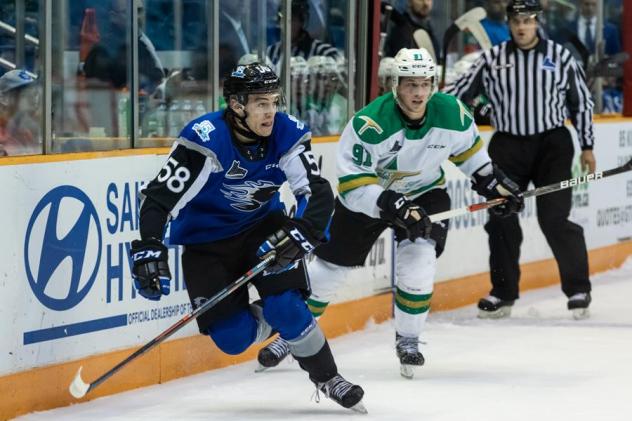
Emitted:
<point x="298" y="66"/>
<point x="385" y="75"/>
<point x="386" y="67"/>
<point x="414" y="62"/>
<point x="250" y="58"/>
<point x="322" y="65"/>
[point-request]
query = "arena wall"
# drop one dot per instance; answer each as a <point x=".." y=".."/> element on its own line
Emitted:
<point x="67" y="298"/>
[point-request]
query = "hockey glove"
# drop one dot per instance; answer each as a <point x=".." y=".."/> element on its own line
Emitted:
<point x="492" y="183"/>
<point x="293" y="241"/>
<point x="401" y="212"/>
<point x="151" y="268"/>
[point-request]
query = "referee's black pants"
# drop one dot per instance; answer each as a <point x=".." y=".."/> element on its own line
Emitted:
<point x="544" y="159"/>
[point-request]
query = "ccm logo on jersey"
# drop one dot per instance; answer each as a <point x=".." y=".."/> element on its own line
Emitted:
<point x="298" y="237"/>
<point x="146" y="254"/>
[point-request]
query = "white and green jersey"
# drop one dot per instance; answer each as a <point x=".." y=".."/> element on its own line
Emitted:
<point x="378" y="150"/>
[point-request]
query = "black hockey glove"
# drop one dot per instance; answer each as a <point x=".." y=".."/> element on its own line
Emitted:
<point x="151" y="268"/>
<point x="293" y="241"/>
<point x="492" y="183"/>
<point x="405" y="214"/>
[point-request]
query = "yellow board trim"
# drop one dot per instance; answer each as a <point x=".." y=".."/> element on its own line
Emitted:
<point x="44" y="388"/>
<point x="78" y="156"/>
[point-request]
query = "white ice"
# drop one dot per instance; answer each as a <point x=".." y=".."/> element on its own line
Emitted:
<point x="539" y="365"/>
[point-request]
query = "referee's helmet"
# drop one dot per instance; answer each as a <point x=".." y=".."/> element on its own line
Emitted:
<point x="524" y="7"/>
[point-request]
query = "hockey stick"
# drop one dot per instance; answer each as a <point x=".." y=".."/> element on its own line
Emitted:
<point x="388" y="9"/>
<point x="470" y="20"/>
<point x="422" y="39"/>
<point x="78" y="388"/>
<point x="550" y="188"/>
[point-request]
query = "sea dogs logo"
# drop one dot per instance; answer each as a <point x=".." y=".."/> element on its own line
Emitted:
<point x="251" y="195"/>
<point x="62" y="248"/>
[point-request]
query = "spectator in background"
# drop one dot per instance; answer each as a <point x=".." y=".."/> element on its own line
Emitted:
<point x="19" y="114"/>
<point x="107" y="57"/>
<point x="317" y="22"/>
<point x="233" y="41"/>
<point x="299" y="78"/>
<point x="303" y="44"/>
<point x="586" y="24"/>
<point x="400" y="35"/>
<point x="495" y="23"/>
<point x="612" y="96"/>
<point x="326" y="108"/>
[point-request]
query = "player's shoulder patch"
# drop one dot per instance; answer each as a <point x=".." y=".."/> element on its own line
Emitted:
<point x="203" y="129"/>
<point x="448" y="112"/>
<point x="377" y="121"/>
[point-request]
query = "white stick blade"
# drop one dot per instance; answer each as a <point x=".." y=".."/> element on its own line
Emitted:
<point x="422" y="39"/>
<point x="78" y="388"/>
<point x="475" y="14"/>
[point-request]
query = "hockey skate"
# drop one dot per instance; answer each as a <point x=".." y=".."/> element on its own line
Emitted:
<point x="409" y="356"/>
<point x="492" y="307"/>
<point x="578" y="305"/>
<point x="344" y="393"/>
<point x="272" y="354"/>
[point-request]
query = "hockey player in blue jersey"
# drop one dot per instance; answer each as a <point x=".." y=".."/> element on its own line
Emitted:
<point x="219" y="189"/>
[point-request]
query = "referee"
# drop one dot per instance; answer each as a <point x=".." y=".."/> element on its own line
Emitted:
<point x="302" y="43"/>
<point x="533" y="84"/>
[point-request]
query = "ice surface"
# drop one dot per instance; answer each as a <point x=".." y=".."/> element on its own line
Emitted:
<point x="539" y="365"/>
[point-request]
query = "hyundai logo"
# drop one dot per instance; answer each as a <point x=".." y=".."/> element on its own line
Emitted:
<point x="62" y="248"/>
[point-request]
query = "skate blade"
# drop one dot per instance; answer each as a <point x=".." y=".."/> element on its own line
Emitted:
<point x="501" y="313"/>
<point x="580" y="313"/>
<point x="407" y="371"/>
<point x="359" y="407"/>
<point x="261" y="368"/>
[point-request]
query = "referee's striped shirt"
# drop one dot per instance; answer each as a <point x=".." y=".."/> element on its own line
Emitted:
<point x="306" y="47"/>
<point x="531" y="91"/>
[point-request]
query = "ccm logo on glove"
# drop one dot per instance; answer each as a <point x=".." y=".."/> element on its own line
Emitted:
<point x="301" y="240"/>
<point x="146" y="254"/>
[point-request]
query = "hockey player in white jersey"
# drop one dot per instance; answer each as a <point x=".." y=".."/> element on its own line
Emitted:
<point x="389" y="172"/>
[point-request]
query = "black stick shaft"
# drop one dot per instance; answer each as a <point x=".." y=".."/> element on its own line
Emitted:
<point x="578" y="180"/>
<point x="186" y="319"/>
<point x="550" y="188"/>
<point x="388" y="9"/>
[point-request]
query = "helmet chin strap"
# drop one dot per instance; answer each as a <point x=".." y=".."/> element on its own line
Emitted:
<point x="245" y="131"/>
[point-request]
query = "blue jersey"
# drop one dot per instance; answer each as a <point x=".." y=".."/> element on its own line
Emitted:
<point x="214" y="187"/>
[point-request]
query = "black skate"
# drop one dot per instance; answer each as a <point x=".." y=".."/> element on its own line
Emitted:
<point x="578" y="305"/>
<point x="272" y="354"/>
<point x="342" y="392"/>
<point x="409" y="356"/>
<point x="492" y="307"/>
